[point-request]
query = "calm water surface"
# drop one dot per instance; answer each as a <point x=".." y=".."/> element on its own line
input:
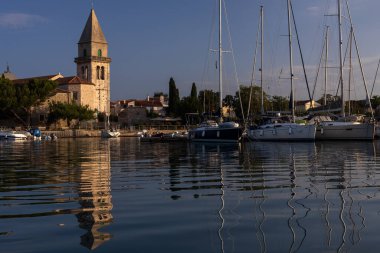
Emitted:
<point x="113" y="195"/>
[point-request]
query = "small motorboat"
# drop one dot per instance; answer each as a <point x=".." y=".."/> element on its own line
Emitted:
<point x="110" y="133"/>
<point x="13" y="135"/>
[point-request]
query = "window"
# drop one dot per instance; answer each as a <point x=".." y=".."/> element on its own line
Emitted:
<point x="82" y="71"/>
<point x="98" y="72"/>
<point x="102" y="73"/>
<point x="75" y="95"/>
<point x="99" y="53"/>
<point x="86" y="73"/>
<point x="42" y="117"/>
<point x="84" y="53"/>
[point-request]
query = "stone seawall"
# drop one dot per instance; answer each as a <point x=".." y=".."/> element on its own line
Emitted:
<point x="79" y="133"/>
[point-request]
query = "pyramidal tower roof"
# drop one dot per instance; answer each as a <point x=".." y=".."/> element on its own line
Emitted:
<point x="92" y="32"/>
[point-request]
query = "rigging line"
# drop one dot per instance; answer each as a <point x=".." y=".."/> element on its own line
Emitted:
<point x="344" y="62"/>
<point x="274" y="48"/>
<point x="374" y="81"/>
<point x="319" y="66"/>
<point x="360" y="62"/>
<point x="299" y="47"/>
<point x="207" y="61"/>
<point x="253" y="68"/>
<point x="233" y="59"/>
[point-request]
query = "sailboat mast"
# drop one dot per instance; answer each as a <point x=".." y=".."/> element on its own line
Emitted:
<point x="326" y="57"/>
<point x="220" y="62"/>
<point x="350" y="74"/>
<point x="291" y="64"/>
<point x="341" y="57"/>
<point x="261" y="58"/>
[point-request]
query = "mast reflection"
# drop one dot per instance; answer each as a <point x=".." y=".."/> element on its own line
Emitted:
<point x="327" y="187"/>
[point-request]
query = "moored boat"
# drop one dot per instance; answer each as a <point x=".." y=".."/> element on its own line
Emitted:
<point x="283" y="132"/>
<point x="210" y="131"/>
<point x="13" y="135"/>
<point x="335" y="130"/>
<point x="110" y="133"/>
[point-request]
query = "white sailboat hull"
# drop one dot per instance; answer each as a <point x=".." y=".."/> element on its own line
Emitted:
<point x="283" y="132"/>
<point x="12" y="135"/>
<point x="345" y="131"/>
<point x="110" y="134"/>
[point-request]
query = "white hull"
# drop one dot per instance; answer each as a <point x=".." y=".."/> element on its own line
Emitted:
<point x="12" y="135"/>
<point x="283" y="132"/>
<point x="377" y="131"/>
<point x="110" y="134"/>
<point x="345" y="131"/>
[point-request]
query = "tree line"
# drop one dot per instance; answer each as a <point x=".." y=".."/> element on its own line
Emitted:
<point x="206" y="102"/>
<point x="17" y="101"/>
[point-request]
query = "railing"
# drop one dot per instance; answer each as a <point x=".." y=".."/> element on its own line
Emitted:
<point x="157" y="127"/>
<point x="92" y="58"/>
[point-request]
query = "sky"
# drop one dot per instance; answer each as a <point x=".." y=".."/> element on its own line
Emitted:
<point x="151" y="41"/>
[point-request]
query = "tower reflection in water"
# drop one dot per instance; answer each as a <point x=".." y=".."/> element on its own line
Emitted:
<point x="95" y="195"/>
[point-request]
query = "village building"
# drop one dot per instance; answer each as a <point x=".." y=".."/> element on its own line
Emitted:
<point x="304" y="106"/>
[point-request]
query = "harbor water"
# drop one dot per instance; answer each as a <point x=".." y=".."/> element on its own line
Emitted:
<point x="123" y="195"/>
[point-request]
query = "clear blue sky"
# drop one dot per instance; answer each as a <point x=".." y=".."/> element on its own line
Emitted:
<point x="150" y="41"/>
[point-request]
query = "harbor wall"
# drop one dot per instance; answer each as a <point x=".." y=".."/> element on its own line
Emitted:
<point x="79" y="133"/>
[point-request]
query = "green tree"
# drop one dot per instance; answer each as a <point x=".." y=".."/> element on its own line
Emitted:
<point x="194" y="105"/>
<point x="255" y="104"/>
<point x="279" y="103"/>
<point x="69" y="112"/>
<point x="33" y="94"/>
<point x="209" y="101"/>
<point x="173" y="98"/>
<point x="228" y="100"/>
<point x="8" y="99"/>
<point x="375" y="101"/>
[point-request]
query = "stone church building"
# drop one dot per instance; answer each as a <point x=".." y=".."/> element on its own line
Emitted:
<point x="91" y="85"/>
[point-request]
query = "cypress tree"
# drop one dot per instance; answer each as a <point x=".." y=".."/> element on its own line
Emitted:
<point x="173" y="97"/>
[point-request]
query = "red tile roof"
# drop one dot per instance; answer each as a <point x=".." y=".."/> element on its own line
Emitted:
<point x="27" y="80"/>
<point x="145" y="103"/>
<point x="72" y="80"/>
<point x="58" y="90"/>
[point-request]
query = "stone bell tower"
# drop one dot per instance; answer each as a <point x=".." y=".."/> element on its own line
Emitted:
<point x="93" y="63"/>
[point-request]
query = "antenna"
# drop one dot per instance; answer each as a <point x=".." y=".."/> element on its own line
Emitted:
<point x="92" y="4"/>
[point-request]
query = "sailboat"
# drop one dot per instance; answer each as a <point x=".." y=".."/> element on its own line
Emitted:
<point x="109" y="132"/>
<point x="288" y="131"/>
<point x="345" y="129"/>
<point x="211" y="131"/>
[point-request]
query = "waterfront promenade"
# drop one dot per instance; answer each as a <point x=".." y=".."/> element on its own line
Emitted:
<point x="84" y="133"/>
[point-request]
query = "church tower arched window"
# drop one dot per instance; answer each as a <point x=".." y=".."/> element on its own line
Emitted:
<point x="84" y="53"/>
<point x="98" y="72"/>
<point x="102" y="73"/>
<point x="82" y="71"/>
<point x="99" y="53"/>
<point x="86" y="73"/>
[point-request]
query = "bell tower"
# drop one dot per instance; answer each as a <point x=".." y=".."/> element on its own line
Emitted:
<point x="93" y="63"/>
